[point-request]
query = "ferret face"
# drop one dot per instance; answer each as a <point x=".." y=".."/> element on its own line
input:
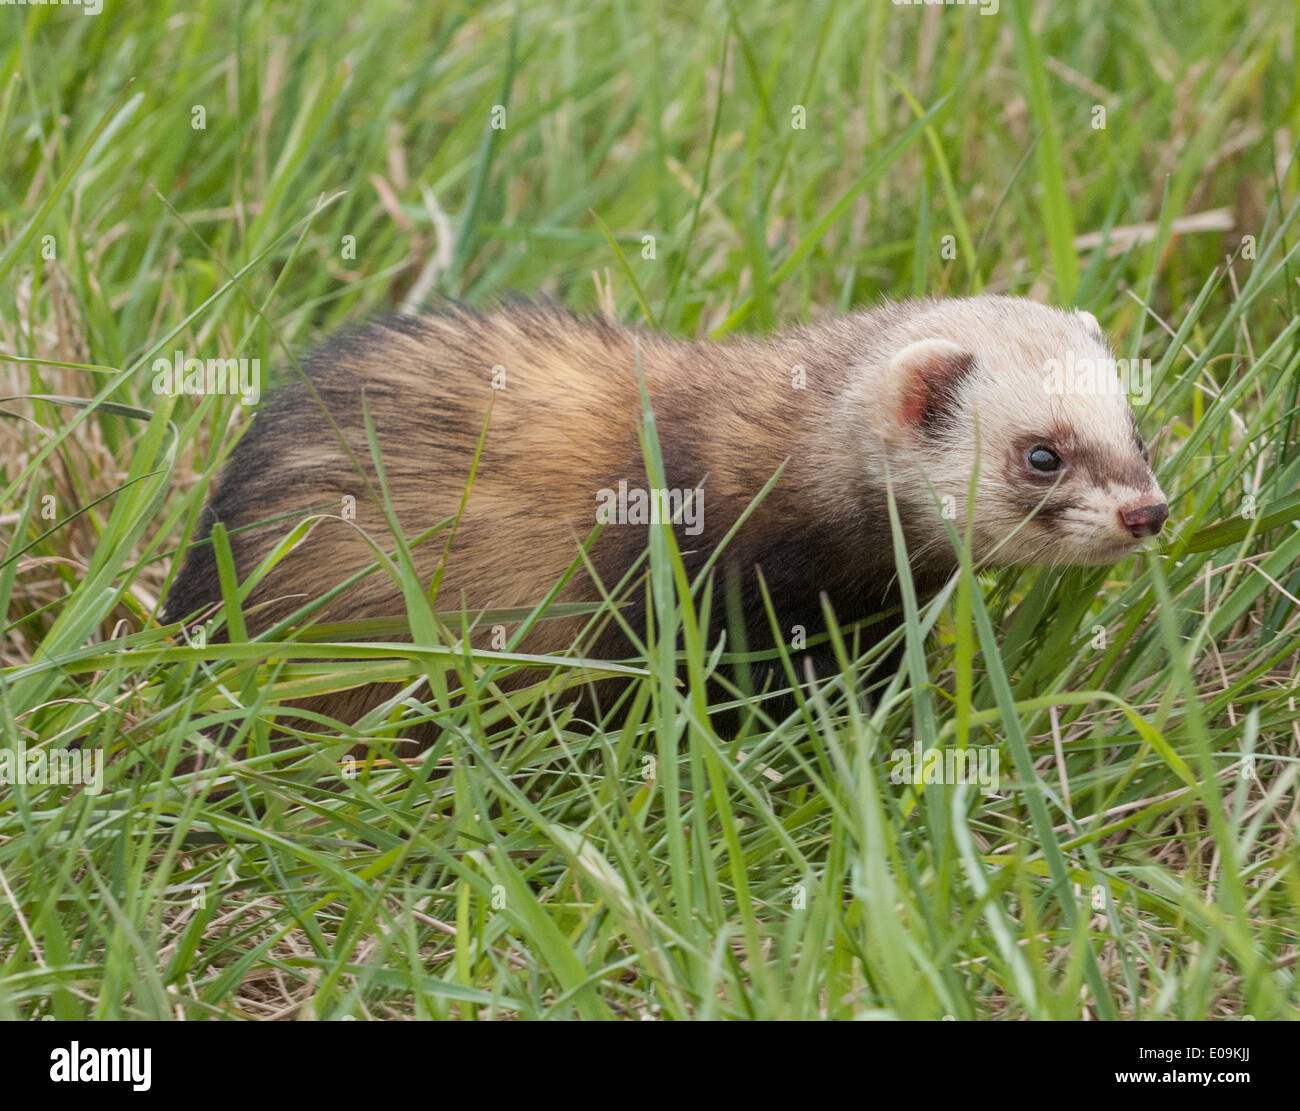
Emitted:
<point x="1035" y="398"/>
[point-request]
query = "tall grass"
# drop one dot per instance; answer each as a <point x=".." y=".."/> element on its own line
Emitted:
<point x="1138" y="858"/>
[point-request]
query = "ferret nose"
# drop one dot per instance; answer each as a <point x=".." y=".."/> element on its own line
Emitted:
<point x="1144" y="520"/>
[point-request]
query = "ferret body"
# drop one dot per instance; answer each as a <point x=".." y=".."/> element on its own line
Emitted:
<point x="908" y="393"/>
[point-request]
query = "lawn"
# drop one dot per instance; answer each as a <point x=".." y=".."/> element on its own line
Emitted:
<point x="218" y="179"/>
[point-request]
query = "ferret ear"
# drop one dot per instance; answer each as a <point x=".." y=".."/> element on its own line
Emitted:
<point x="1090" y="320"/>
<point x="928" y="374"/>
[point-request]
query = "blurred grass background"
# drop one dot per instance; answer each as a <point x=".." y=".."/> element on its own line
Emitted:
<point x="242" y="179"/>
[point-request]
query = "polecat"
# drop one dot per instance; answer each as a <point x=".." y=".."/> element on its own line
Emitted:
<point x="909" y="390"/>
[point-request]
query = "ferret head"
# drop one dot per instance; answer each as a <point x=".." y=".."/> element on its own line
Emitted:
<point x="1032" y="397"/>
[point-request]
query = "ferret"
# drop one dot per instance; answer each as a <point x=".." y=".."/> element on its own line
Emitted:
<point x="920" y="395"/>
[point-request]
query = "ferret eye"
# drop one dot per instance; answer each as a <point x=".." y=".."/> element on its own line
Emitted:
<point x="1043" y="459"/>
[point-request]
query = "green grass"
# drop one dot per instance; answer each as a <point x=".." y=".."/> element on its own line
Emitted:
<point x="1139" y="859"/>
